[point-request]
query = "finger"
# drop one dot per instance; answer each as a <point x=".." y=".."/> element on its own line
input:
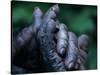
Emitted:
<point x="26" y="34"/>
<point x="72" y="51"/>
<point x="83" y="42"/>
<point x="48" y="19"/>
<point x="37" y="19"/>
<point x="80" y="65"/>
<point x="23" y="37"/>
<point x="83" y="54"/>
<point x="21" y="40"/>
<point x="51" y="13"/>
<point x="31" y="48"/>
<point x="29" y="57"/>
<point x="33" y="55"/>
<point x="51" y="26"/>
<point x="62" y="39"/>
<point x="48" y="47"/>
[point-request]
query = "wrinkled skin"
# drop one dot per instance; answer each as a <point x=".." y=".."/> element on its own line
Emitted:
<point x="48" y="46"/>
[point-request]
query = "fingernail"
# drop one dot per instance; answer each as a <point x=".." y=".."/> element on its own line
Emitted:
<point x="37" y="11"/>
<point x="55" y="8"/>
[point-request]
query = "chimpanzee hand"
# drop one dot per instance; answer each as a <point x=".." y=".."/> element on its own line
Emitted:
<point x="25" y="53"/>
<point x="61" y="48"/>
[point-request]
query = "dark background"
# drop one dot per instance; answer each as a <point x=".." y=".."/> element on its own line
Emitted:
<point x="79" y="19"/>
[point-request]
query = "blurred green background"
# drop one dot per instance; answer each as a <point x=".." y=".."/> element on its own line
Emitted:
<point x="79" y="19"/>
